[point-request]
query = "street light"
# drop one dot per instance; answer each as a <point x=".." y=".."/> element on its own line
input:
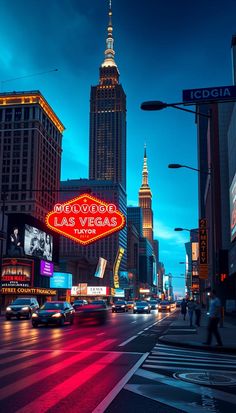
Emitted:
<point x="178" y="165"/>
<point x="159" y="105"/>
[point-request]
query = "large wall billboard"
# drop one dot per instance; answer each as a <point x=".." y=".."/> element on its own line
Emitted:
<point x="232" y="198"/>
<point x="38" y="243"/>
<point x="28" y="236"/>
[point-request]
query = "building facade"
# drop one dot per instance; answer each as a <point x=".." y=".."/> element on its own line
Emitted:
<point x="30" y="153"/>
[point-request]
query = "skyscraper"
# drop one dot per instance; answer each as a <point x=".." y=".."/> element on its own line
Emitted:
<point x="107" y="148"/>
<point x="145" y="202"/>
<point x="30" y="153"/>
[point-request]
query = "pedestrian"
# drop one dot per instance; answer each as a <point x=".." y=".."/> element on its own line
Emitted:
<point x="191" y="308"/>
<point x="214" y="318"/>
<point x="198" y="313"/>
<point x="183" y="306"/>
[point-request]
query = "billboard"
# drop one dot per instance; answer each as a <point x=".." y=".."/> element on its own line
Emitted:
<point x="17" y="272"/>
<point x="100" y="270"/>
<point x="79" y="290"/>
<point x="61" y="280"/>
<point x="19" y="234"/>
<point x="46" y="268"/>
<point x="232" y="200"/>
<point x="38" y="243"/>
<point x="209" y="94"/>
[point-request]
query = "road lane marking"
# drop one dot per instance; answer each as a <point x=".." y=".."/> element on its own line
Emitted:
<point x="113" y="393"/>
<point x="127" y="341"/>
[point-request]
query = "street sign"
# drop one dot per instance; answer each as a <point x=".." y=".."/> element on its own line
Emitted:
<point x="209" y="94"/>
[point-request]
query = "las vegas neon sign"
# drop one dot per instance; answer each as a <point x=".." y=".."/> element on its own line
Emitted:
<point x="85" y="219"/>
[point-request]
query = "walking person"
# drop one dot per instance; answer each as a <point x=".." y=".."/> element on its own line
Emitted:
<point x="214" y="318"/>
<point x="191" y="307"/>
<point x="198" y="313"/>
<point x="183" y="306"/>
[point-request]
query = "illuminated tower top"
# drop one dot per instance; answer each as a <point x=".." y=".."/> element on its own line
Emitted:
<point x="109" y="52"/>
<point x="145" y="185"/>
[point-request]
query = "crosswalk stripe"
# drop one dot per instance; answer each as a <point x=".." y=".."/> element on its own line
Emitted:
<point x="19" y="385"/>
<point x="61" y="391"/>
<point x="183" y="359"/>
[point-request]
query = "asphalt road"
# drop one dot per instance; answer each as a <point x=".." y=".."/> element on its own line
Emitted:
<point x="72" y="368"/>
<point x="114" y="368"/>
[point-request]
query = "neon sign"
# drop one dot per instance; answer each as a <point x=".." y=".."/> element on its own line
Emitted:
<point x="85" y="219"/>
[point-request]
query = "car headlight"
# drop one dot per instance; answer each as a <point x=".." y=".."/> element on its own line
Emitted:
<point x="168" y="306"/>
<point x="8" y="309"/>
<point x="34" y="315"/>
<point x="113" y="306"/>
<point x="135" y="308"/>
<point x="159" y="306"/>
<point x="56" y="315"/>
<point x="25" y="308"/>
<point x="146" y="308"/>
<point x="122" y="306"/>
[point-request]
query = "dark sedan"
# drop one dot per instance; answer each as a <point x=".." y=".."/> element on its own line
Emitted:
<point x="142" y="307"/>
<point x="94" y="312"/>
<point x="120" y="307"/>
<point x="54" y="312"/>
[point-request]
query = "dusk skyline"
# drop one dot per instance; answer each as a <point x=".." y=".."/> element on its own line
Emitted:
<point x="161" y="49"/>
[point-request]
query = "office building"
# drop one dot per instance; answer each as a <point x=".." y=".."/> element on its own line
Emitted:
<point x="107" y="144"/>
<point x="30" y="153"/>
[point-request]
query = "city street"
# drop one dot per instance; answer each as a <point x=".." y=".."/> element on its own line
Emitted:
<point x="109" y="368"/>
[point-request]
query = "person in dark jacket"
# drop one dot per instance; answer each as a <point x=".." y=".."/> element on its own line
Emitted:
<point x="183" y="306"/>
<point x="198" y="313"/>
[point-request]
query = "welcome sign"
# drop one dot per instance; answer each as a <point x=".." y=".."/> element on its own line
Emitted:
<point x="85" y="219"/>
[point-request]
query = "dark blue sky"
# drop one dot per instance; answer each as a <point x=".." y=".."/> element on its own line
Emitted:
<point x="162" y="47"/>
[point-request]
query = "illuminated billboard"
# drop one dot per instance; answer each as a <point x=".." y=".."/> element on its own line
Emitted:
<point x="100" y="270"/>
<point x="38" y="243"/>
<point x="46" y="268"/>
<point x="85" y="219"/>
<point x="232" y="200"/>
<point x="17" y="272"/>
<point x="61" y="280"/>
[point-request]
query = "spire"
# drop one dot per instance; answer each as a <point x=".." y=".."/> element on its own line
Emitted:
<point x="145" y="168"/>
<point x="109" y="52"/>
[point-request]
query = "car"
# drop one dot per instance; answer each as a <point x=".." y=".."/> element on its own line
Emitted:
<point x="130" y="305"/>
<point x="119" y="306"/>
<point x="94" y="312"/>
<point x="142" y="307"/>
<point x="22" y="307"/>
<point x="173" y="305"/>
<point x="153" y="304"/>
<point x="164" y="305"/>
<point x="54" y="312"/>
<point x="79" y="303"/>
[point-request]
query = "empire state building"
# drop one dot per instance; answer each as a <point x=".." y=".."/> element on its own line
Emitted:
<point x="145" y="202"/>
<point x="107" y="143"/>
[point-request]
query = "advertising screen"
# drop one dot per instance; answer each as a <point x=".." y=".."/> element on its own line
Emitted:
<point x="232" y="200"/>
<point x="46" y="268"/>
<point x="61" y="280"/>
<point x="38" y="243"/>
<point x="17" y="272"/>
<point x="100" y="268"/>
<point x="78" y="290"/>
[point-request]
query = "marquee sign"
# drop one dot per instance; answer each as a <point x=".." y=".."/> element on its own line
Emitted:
<point x="85" y="219"/>
<point x="203" y="249"/>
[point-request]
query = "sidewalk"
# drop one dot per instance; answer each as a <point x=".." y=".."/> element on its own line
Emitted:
<point x="179" y="333"/>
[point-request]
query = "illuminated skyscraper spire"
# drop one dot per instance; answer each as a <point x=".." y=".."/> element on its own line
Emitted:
<point x="109" y="52"/>
<point x="145" y="169"/>
<point x="145" y="201"/>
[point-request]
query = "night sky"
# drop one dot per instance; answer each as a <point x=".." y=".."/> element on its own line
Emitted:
<point x="162" y="47"/>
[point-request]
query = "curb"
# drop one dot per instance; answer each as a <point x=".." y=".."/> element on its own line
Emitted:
<point x="221" y="350"/>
